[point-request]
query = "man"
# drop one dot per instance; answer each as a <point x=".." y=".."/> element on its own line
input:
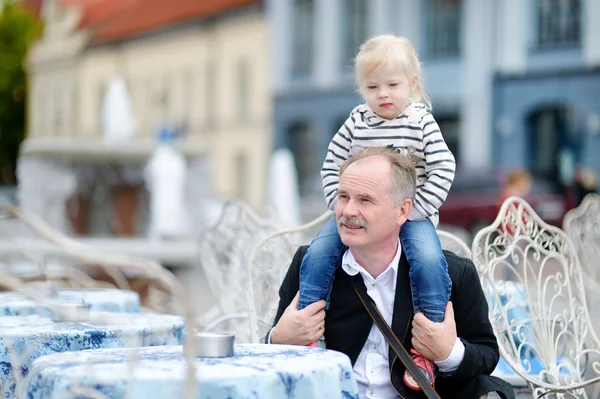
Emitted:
<point x="374" y="200"/>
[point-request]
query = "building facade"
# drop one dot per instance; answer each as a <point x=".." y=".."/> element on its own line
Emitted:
<point x="513" y="82"/>
<point x="201" y="67"/>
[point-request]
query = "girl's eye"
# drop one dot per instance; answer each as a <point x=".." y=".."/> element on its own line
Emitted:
<point x="371" y="87"/>
<point x="393" y="84"/>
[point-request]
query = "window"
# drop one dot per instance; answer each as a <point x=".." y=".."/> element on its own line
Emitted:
<point x="550" y="134"/>
<point x="58" y="113"/>
<point x="443" y="28"/>
<point x="243" y="94"/>
<point x="101" y="94"/>
<point x="189" y="103"/>
<point x="242" y="176"/>
<point x="449" y="126"/>
<point x="302" y="46"/>
<point x="355" y="20"/>
<point x="302" y="145"/>
<point x="559" y="23"/>
<point x="210" y="94"/>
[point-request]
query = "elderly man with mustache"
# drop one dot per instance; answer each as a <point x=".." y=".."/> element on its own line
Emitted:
<point x="375" y="196"/>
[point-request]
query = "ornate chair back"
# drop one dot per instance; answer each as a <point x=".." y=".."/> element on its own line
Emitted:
<point x="534" y="286"/>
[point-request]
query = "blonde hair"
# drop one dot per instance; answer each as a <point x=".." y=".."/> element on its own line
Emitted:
<point x="383" y="49"/>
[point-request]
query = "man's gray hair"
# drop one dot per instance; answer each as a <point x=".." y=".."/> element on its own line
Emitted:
<point x="403" y="175"/>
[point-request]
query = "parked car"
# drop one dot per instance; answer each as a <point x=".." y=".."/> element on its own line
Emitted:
<point x="474" y="200"/>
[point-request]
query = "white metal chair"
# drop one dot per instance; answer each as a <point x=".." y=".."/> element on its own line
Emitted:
<point x="453" y="243"/>
<point x="241" y="238"/>
<point x="534" y="285"/>
<point x="582" y="225"/>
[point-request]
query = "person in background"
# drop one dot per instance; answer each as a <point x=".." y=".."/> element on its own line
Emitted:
<point x="585" y="183"/>
<point x="517" y="184"/>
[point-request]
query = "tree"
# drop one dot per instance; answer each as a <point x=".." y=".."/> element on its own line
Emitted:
<point x="18" y="29"/>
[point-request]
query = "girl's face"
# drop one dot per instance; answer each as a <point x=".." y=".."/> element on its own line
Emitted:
<point x="386" y="90"/>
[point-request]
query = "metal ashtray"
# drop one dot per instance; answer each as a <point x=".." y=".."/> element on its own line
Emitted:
<point x="214" y="344"/>
<point x="69" y="310"/>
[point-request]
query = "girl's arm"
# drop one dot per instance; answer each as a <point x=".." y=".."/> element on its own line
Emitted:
<point x="337" y="153"/>
<point x="439" y="169"/>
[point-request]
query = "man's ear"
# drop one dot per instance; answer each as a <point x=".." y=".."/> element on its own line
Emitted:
<point x="404" y="210"/>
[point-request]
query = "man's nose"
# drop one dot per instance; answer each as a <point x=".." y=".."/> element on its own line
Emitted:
<point x="351" y="210"/>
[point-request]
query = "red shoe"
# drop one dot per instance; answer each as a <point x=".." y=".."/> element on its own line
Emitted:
<point x="427" y="369"/>
<point x="320" y="343"/>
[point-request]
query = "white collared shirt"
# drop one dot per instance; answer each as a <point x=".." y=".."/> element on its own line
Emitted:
<point x="372" y="367"/>
<point x="372" y="370"/>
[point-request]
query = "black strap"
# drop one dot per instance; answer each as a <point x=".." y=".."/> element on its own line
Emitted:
<point x="394" y="342"/>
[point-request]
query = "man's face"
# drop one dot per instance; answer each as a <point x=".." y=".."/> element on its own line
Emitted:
<point x="364" y="210"/>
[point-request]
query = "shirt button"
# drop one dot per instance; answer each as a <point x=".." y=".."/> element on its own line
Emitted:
<point x="374" y="347"/>
<point x="372" y="392"/>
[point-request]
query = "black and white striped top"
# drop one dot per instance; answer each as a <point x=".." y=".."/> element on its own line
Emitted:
<point x="414" y="133"/>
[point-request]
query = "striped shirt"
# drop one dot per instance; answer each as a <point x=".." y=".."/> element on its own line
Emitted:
<point x="414" y="133"/>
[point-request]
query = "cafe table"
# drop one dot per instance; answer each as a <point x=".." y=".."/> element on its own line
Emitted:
<point x="256" y="371"/>
<point x="103" y="299"/>
<point x="26" y="338"/>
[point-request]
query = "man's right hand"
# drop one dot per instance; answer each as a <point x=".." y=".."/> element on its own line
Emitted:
<point x="300" y="327"/>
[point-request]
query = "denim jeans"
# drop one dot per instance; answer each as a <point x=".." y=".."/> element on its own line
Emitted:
<point x="429" y="279"/>
<point x="319" y="265"/>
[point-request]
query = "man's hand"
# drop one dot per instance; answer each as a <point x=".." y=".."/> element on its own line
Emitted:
<point x="434" y="340"/>
<point x="300" y="327"/>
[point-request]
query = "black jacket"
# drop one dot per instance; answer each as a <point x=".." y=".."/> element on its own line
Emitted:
<point x="347" y="326"/>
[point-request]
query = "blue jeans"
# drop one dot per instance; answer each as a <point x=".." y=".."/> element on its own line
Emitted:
<point x="429" y="279"/>
<point x="319" y="265"/>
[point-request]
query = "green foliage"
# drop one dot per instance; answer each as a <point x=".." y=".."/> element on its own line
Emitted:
<point x="18" y="29"/>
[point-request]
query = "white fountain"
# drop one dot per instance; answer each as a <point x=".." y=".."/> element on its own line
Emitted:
<point x="96" y="187"/>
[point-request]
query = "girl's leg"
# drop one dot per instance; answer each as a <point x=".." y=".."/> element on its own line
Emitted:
<point x="319" y="266"/>
<point x="429" y="279"/>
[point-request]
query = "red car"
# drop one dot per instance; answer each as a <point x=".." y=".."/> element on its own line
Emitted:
<point x="474" y="201"/>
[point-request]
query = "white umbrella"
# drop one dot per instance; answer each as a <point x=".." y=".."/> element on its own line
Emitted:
<point x="118" y="122"/>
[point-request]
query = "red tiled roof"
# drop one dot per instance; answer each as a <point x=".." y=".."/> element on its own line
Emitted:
<point x="115" y="20"/>
<point x="96" y="12"/>
<point x="34" y="6"/>
<point x="139" y="17"/>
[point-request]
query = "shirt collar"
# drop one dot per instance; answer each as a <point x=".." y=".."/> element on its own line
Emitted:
<point x="369" y="114"/>
<point x="352" y="268"/>
<point x="372" y="117"/>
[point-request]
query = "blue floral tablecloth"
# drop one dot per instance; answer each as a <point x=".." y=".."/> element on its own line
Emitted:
<point x="256" y="371"/>
<point x="25" y="338"/>
<point x="108" y="300"/>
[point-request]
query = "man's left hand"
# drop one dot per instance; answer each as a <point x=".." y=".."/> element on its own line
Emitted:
<point x="434" y="340"/>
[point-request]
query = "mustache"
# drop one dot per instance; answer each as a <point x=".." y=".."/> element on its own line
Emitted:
<point x="353" y="222"/>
